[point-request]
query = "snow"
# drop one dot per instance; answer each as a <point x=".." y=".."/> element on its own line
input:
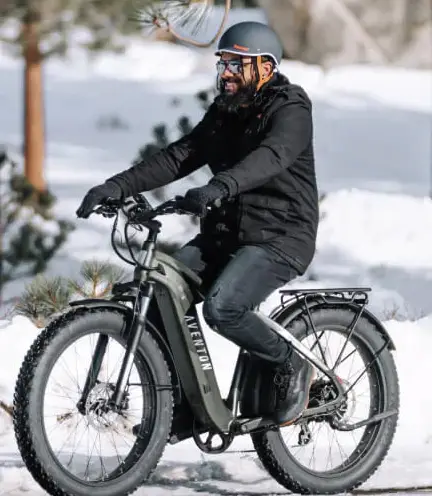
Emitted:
<point x="373" y="141"/>
<point x="382" y="240"/>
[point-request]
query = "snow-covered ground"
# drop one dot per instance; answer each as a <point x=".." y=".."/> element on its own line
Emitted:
<point x="373" y="135"/>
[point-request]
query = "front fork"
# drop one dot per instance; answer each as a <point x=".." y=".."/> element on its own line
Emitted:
<point x="134" y="337"/>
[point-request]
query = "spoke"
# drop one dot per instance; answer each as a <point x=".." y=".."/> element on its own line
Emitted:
<point x="315" y="334"/>
<point x="73" y="453"/>
<point x="89" y="458"/>
<point x="350" y="333"/>
<point x="346" y="358"/>
<point x="104" y="472"/>
<point x="369" y="365"/>
<point x="119" y="458"/>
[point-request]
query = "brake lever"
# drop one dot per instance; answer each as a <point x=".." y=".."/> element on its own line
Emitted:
<point x="101" y="210"/>
<point x="142" y="201"/>
<point x="108" y="208"/>
<point x="108" y="215"/>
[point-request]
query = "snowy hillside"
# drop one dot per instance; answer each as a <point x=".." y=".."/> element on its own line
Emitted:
<point x="373" y="135"/>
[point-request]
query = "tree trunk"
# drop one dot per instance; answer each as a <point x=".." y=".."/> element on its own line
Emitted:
<point x="402" y="24"/>
<point x="291" y="19"/>
<point x="34" y="136"/>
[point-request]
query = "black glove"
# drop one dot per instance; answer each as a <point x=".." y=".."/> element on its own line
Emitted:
<point x="197" y="199"/>
<point x="96" y="195"/>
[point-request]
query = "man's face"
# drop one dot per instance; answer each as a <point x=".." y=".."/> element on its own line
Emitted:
<point x="238" y="71"/>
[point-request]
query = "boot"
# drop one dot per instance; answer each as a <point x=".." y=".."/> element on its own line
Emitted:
<point x="293" y="380"/>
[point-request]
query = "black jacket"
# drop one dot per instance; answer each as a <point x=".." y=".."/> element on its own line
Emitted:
<point x="265" y="159"/>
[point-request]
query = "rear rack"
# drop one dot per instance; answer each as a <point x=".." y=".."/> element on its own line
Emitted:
<point x="358" y="295"/>
<point x="324" y="291"/>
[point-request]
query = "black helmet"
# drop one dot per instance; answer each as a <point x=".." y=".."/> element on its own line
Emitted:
<point x="253" y="39"/>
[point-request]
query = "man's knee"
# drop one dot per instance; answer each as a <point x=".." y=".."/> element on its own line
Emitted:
<point x="220" y="313"/>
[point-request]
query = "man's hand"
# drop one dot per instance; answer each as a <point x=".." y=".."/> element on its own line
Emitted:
<point x="96" y="195"/>
<point x="197" y="200"/>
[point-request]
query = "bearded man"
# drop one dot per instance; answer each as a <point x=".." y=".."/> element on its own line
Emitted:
<point x="257" y="139"/>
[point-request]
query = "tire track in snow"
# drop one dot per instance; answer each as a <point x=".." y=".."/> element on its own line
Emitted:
<point x="208" y="478"/>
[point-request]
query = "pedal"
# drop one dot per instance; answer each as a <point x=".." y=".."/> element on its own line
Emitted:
<point x="246" y="425"/>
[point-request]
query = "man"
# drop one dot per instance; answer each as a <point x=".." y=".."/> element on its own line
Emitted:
<point x="257" y="139"/>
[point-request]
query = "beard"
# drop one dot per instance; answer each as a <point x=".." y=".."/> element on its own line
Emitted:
<point x="235" y="103"/>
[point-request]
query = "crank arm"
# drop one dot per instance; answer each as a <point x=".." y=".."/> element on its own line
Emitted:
<point x="339" y="426"/>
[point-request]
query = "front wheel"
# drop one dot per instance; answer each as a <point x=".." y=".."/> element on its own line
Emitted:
<point x="71" y="450"/>
<point x="312" y="457"/>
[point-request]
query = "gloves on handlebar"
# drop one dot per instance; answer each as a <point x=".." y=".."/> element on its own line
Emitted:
<point x="198" y="199"/>
<point x="96" y="195"/>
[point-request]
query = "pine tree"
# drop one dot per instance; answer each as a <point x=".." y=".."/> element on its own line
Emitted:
<point x="30" y="233"/>
<point x="43" y="29"/>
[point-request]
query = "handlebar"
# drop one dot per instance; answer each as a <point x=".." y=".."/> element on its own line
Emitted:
<point x="138" y="210"/>
<point x="139" y="213"/>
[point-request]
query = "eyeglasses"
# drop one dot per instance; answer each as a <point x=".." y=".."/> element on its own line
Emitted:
<point x="234" y="66"/>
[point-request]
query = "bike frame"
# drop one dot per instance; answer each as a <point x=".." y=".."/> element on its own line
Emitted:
<point x="172" y="287"/>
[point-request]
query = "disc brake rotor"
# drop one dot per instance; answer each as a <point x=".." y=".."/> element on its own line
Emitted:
<point x="100" y="416"/>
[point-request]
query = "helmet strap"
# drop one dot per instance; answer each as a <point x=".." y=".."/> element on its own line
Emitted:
<point x="262" y="79"/>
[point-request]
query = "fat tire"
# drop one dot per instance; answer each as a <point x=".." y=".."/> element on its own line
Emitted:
<point x="271" y="448"/>
<point x="32" y="446"/>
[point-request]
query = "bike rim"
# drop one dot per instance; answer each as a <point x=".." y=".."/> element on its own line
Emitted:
<point x="329" y="451"/>
<point x="98" y="446"/>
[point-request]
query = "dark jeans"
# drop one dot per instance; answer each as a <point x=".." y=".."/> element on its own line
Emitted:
<point x="235" y="284"/>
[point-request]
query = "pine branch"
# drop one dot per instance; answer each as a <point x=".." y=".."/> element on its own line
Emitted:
<point x="97" y="279"/>
<point x="44" y="298"/>
<point x="7" y="408"/>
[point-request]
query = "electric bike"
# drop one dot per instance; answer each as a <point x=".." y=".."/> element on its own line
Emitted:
<point x="150" y="328"/>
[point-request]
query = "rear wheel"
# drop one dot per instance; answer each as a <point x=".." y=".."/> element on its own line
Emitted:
<point x="91" y="450"/>
<point x="311" y="456"/>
